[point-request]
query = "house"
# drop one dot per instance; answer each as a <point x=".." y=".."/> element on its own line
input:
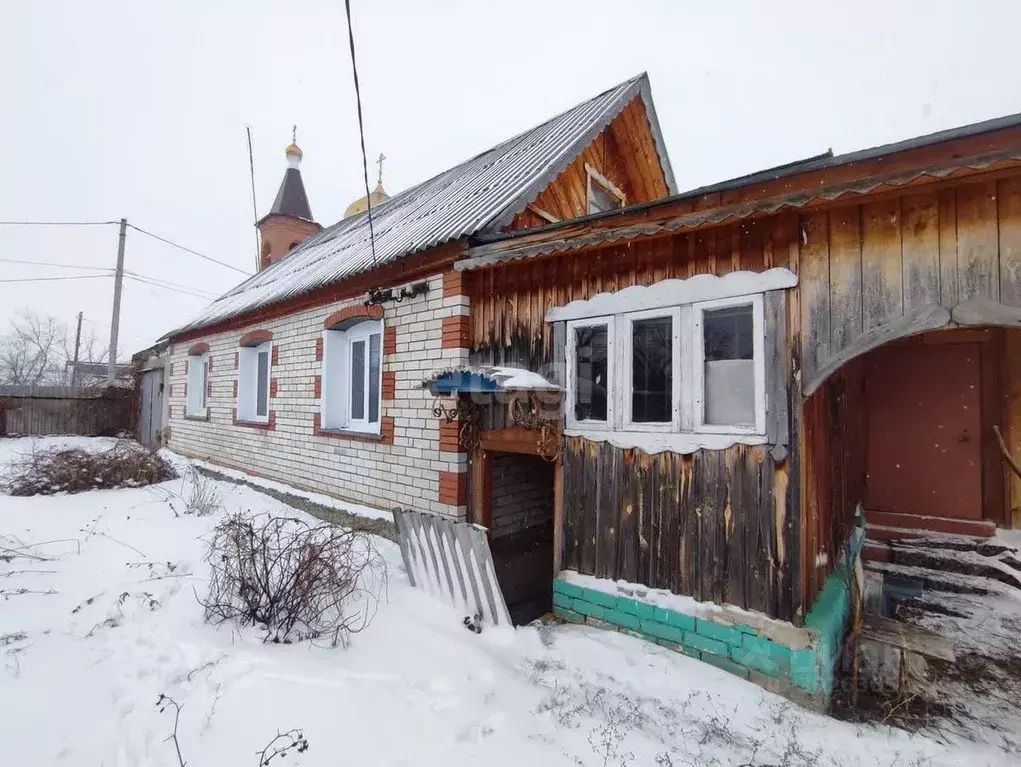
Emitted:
<point x="310" y="371"/>
<point x="95" y="373"/>
<point x="745" y="369"/>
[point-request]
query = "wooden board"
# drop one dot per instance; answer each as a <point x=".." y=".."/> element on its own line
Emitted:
<point x="947" y="202"/>
<point x="977" y="246"/>
<point x="920" y="249"/>
<point x="882" y="291"/>
<point x="907" y="637"/>
<point x="1008" y="200"/>
<point x="845" y="277"/>
<point x="814" y="289"/>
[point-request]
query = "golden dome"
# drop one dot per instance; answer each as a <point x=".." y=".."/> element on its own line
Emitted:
<point x="293" y="150"/>
<point x="377" y="197"/>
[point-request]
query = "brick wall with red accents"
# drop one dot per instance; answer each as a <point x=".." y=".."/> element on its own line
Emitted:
<point x="402" y="465"/>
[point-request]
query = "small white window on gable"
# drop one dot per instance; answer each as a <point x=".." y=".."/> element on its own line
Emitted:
<point x="602" y="195"/>
<point x="352" y="376"/>
<point x="253" y="382"/>
<point x="198" y="376"/>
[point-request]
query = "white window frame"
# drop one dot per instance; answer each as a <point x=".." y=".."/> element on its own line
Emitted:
<point x="197" y="405"/>
<point x="335" y="405"/>
<point x="611" y="372"/>
<point x="248" y="382"/>
<point x="626" y="345"/>
<point x="758" y="367"/>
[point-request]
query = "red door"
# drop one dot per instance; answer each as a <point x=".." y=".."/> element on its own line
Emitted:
<point x="925" y="430"/>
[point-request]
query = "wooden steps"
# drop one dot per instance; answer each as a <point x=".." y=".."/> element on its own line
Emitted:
<point x="922" y="524"/>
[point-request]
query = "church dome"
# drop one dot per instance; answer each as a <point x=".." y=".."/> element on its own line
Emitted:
<point x="377" y="197"/>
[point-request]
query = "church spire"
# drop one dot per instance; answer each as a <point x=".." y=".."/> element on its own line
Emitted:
<point x="290" y="220"/>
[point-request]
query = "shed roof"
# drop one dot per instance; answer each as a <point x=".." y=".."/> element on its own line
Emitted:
<point x="481" y="194"/>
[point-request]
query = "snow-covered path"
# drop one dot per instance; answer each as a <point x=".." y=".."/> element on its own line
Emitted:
<point x="106" y="619"/>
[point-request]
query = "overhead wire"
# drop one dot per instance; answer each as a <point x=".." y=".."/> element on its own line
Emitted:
<point x="361" y="127"/>
<point x="166" y="286"/>
<point x="54" y="279"/>
<point x="50" y="263"/>
<point x="187" y="250"/>
<point x="58" y="223"/>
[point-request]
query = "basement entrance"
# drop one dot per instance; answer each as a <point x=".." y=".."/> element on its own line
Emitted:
<point x="520" y="522"/>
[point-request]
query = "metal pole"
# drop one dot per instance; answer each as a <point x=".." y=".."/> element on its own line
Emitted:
<point x="77" y="346"/>
<point x="115" y="322"/>
<point x="255" y="207"/>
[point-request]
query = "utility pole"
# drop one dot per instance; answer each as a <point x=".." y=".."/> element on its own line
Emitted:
<point x="255" y="208"/>
<point x="77" y="346"/>
<point x="115" y="322"/>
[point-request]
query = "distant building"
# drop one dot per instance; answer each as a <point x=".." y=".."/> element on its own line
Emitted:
<point x="94" y="374"/>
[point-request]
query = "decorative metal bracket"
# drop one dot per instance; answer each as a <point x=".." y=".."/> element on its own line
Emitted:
<point x="379" y="296"/>
<point x="527" y="411"/>
<point x="467" y="414"/>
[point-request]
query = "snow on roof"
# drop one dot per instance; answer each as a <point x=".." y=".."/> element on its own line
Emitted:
<point x="486" y="379"/>
<point x="483" y="193"/>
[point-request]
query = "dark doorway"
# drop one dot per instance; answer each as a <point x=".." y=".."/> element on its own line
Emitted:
<point x="521" y="531"/>
<point x="925" y="429"/>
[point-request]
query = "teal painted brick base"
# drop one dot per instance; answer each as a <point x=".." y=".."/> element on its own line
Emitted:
<point x="729" y="644"/>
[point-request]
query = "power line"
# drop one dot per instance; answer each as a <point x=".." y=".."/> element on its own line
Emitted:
<point x="49" y="263"/>
<point x="153" y="283"/>
<point x="57" y="223"/>
<point x="187" y="250"/>
<point x="169" y="283"/>
<point x="53" y="279"/>
<point x="361" y="127"/>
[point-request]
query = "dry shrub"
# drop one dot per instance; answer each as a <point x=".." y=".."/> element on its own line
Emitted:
<point x="298" y="581"/>
<point x="73" y="470"/>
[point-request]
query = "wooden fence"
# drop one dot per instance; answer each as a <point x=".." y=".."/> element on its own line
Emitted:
<point x="452" y="561"/>
<point x="86" y="411"/>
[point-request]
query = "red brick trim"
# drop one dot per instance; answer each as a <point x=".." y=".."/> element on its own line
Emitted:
<point x="455" y="332"/>
<point x="255" y="337"/>
<point x="453" y="488"/>
<point x="389" y="341"/>
<point x="450" y="436"/>
<point x="389" y="386"/>
<point x="385" y="436"/>
<point x="237" y="359"/>
<point x="200" y="348"/>
<point x="209" y="361"/>
<point x="319" y="349"/>
<point x="453" y="284"/>
<point x="318" y="387"/>
<point x="185" y="395"/>
<point x="274" y="355"/>
<point x="171" y="369"/>
<point x="209" y="386"/>
<point x="270" y="425"/>
<point x="272" y="387"/>
<point x="235" y="388"/>
<point x="359" y="311"/>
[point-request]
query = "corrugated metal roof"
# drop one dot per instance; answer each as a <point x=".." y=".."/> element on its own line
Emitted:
<point x="518" y="248"/>
<point x="485" y="191"/>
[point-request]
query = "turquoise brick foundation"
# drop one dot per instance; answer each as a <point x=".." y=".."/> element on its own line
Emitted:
<point x="728" y="643"/>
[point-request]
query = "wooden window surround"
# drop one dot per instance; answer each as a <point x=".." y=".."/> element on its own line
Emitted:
<point x="601" y="193"/>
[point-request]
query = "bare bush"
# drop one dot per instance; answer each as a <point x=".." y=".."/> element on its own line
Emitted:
<point x="203" y="497"/>
<point x="73" y="470"/>
<point x="298" y="581"/>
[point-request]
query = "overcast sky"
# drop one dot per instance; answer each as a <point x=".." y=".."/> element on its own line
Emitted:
<point x="132" y="109"/>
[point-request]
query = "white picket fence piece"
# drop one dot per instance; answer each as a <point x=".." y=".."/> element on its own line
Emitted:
<point x="452" y="561"/>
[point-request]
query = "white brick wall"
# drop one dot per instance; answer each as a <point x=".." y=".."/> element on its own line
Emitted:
<point x="405" y="473"/>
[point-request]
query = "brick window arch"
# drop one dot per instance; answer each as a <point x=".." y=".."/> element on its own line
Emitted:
<point x="255" y="337"/>
<point x="351" y="314"/>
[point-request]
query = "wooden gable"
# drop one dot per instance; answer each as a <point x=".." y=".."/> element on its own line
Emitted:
<point x="624" y="153"/>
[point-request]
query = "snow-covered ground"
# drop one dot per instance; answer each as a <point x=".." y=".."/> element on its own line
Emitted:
<point x="98" y="617"/>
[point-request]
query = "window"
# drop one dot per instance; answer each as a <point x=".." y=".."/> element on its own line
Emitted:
<point x="683" y="371"/>
<point x="253" y="382"/>
<point x="652" y="352"/>
<point x="729" y="369"/>
<point x="352" y="376"/>
<point x="602" y="195"/>
<point x="590" y="363"/>
<point x="198" y="376"/>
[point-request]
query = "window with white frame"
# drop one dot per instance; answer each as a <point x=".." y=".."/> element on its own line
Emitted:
<point x="198" y="376"/>
<point x="253" y="382"/>
<point x="695" y="369"/>
<point x="352" y="376"/>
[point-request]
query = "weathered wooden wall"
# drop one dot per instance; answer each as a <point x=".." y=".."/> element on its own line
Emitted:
<point x="882" y="269"/>
<point x="834" y="462"/>
<point x="509" y="303"/>
<point x="41" y="410"/>
<point x="714" y="525"/>
<point x="624" y="152"/>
